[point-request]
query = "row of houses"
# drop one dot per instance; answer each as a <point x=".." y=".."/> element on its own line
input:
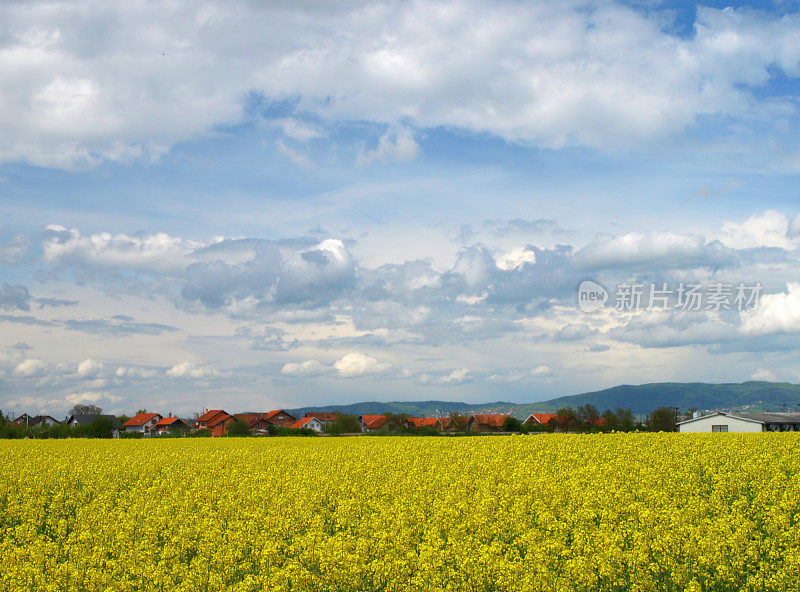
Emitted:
<point x="216" y="421"/>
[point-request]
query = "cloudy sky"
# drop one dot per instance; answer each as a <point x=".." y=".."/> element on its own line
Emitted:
<point x="251" y="205"/>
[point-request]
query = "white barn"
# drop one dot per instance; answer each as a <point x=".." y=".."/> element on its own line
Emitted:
<point x="730" y="421"/>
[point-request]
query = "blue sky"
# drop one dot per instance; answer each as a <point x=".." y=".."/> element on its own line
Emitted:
<point x="253" y="205"/>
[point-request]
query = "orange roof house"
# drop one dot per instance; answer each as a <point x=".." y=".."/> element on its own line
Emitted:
<point x="487" y="423"/>
<point x="323" y="416"/>
<point x="423" y="422"/>
<point x="141" y="422"/>
<point x="452" y="424"/>
<point x="372" y="423"/>
<point x="280" y="418"/>
<point x="311" y="423"/>
<point x="215" y="421"/>
<point x="539" y="418"/>
<point x="168" y="423"/>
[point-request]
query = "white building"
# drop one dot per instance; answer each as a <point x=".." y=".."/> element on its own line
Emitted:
<point x="735" y="421"/>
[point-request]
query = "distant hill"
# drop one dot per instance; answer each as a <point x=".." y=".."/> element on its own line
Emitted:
<point x="641" y="399"/>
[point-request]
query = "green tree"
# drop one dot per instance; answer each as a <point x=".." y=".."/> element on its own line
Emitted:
<point x="237" y="428"/>
<point x="587" y="416"/>
<point x="100" y="427"/>
<point x="566" y="419"/>
<point x="627" y="422"/>
<point x="344" y="424"/>
<point x="512" y="424"/>
<point x="663" y="419"/>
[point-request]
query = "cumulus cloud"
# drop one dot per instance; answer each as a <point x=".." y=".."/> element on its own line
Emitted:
<point x="159" y="253"/>
<point x="89" y="368"/>
<point x="770" y="229"/>
<point x="356" y="364"/>
<point x="516" y="258"/>
<point x="91" y="397"/>
<point x="764" y="374"/>
<point x="189" y="370"/>
<point x="314" y="275"/>
<point x="648" y="249"/>
<point x="31" y="368"/>
<point x="306" y="368"/>
<point x="776" y="313"/>
<point x="548" y="73"/>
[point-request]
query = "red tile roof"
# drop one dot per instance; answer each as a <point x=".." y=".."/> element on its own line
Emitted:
<point x="495" y="421"/>
<point x="423" y="422"/>
<point x="275" y="412"/>
<point x="373" y="422"/>
<point x="140" y="419"/>
<point x="302" y="422"/>
<point x="166" y="421"/>
<point x="541" y="417"/>
<point x="209" y="414"/>
<point x="323" y="415"/>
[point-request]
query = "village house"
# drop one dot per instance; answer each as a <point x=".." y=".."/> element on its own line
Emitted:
<point x="36" y="420"/>
<point x="311" y="423"/>
<point x="169" y="423"/>
<point x="87" y="418"/>
<point x="539" y="419"/>
<point x="326" y="418"/>
<point x="740" y="421"/>
<point x="215" y="421"/>
<point x="423" y="422"/>
<point x="142" y="422"/>
<point x="487" y="423"/>
<point x="371" y="423"/>
<point x="280" y="418"/>
<point x="452" y="424"/>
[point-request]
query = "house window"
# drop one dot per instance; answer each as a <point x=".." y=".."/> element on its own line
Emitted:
<point x="719" y="428"/>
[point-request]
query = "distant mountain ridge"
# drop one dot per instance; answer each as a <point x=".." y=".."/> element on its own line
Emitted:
<point x="641" y="399"/>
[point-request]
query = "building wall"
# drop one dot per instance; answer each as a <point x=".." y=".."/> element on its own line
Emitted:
<point x="705" y="424"/>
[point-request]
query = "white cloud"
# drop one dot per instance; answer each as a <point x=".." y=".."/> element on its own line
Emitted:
<point x="516" y="258"/>
<point x="764" y="374"/>
<point x="770" y="229"/>
<point x="776" y="313"/>
<point x="192" y="371"/>
<point x="393" y="146"/>
<point x="356" y="364"/>
<point x="134" y="372"/>
<point x="299" y="130"/>
<point x="30" y="368"/>
<point x="548" y="73"/>
<point x="668" y="249"/>
<point x="158" y="252"/>
<point x="306" y="368"/>
<point x="89" y="368"/>
<point x="541" y="371"/>
<point x="91" y="397"/>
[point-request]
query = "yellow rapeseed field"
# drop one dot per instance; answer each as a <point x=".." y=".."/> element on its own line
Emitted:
<point x="550" y="512"/>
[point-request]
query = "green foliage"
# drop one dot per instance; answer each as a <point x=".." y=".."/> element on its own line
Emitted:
<point x="238" y="428"/>
<point x="663" y="419"/>
<point x="512" y="424"/>
<point x="344" y="424"/>
<point x="131" y="435"/>
<point x="294" y="432"/>
<point x="198" y="434"/>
